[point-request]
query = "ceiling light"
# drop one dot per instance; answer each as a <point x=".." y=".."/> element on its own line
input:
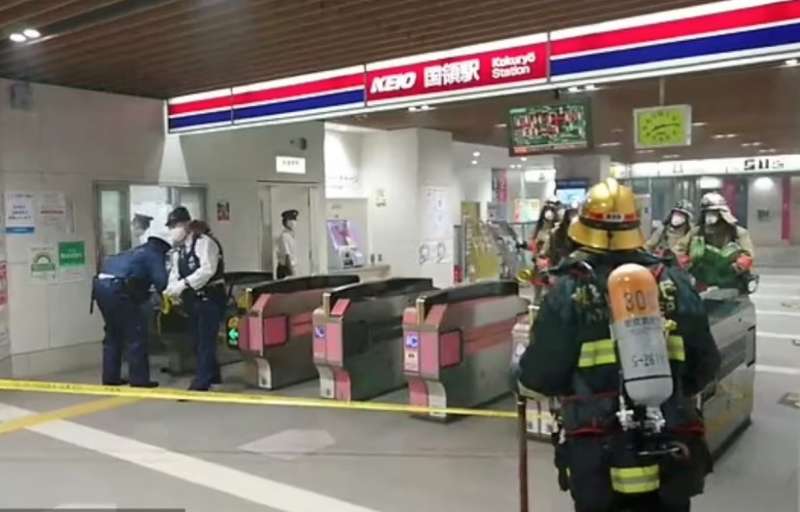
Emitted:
<point x="756" y="144"/>
<point x="17" y="37"/>
<point x="476" y="154"/>
<point x="31" y="33"/>
<point x="731" y="135"/>
<point x="591" y="87"/>
<point x="645" y="151"/>
<point x="474" y="162"/>
<point x="413" y="109"/>
<point x="524" y="159"/>
<point x="501" y="125"/>
<point x="765" y="151"/>
<point x="671" y="156"/>
<point x="609" y="144"/>
<point x="574" y="88"/>
<point x="792" y="62"/>
<point x="426" y="107"/>
<point x="698" y="124"/>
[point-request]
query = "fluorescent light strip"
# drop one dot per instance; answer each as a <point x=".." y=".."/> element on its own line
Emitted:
<point x="659" y="17"/>
<point x="502" y="44"/>
<point x="298" y="80"/>
<point x="677" y="39"/>
<point x="218" y="93"/>
<point x="687" y="65"/>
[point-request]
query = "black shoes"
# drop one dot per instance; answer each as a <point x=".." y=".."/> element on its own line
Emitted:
<point x="120" y="382"/>
<point x="151" y="384"/>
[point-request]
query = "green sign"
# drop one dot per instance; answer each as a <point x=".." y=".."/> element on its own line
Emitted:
<point x="549" y="128"/>
<point x="663" y="127"/>
<point x="71" y="254"/>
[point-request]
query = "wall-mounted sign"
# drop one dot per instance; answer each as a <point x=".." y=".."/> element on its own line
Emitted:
<point x="716" y="166"/>
<point x="549" y="127"/>
<point x="290" y="165"/>
<point x="662" y="127"/>
<point x="72" y="261"/>
<point x="42" y="262"/>
<point x="505" y="64"/>
<point x="674" y="39"/>
<point x="20" y="216"/>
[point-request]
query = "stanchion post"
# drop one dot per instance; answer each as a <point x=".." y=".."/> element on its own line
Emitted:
<point x="522" y="434"/>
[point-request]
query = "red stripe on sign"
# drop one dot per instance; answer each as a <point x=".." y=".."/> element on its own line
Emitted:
<point x="199" y="106"/>
<point x="732" y="20"/>
<point x="306" y="89"/>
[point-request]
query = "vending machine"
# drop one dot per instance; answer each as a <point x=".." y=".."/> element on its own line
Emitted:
<point x="343" y="250"/>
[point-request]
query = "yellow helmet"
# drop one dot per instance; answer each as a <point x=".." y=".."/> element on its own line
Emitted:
<point x="608" y="219"/>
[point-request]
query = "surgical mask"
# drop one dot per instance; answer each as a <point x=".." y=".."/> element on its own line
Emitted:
<point x="291" y="224"/>
<point x="177" y="234"/>
<point x="677" y="220"/>
<point x="548" y="215"/>
<point x="712" y="218"/>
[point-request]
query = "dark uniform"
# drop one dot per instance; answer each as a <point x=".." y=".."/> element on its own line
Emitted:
<point x="120" y="290"/>
<point x="573" y="357"/>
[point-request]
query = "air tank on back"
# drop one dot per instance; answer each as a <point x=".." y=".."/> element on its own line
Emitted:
<point x="638" y="328"/>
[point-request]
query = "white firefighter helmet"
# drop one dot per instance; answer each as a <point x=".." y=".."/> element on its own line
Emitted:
<point x="714" y="201"/>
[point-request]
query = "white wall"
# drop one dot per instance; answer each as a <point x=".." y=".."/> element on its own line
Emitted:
<point x="343" y="165"/>
<point x="765" y="193"/>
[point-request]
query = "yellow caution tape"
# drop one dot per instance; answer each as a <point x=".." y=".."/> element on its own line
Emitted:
<point x="237" y="398"/>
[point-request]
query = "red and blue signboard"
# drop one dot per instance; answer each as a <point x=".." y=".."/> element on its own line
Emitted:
<point x="726" y="33"/>
<point x="695" y="35"/>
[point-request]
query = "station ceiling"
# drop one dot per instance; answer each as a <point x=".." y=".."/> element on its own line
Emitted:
<point x="741" y="112"/>
<point x="166" y="48"/>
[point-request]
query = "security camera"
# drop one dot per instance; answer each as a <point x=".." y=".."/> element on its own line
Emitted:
<point x="300" y="143"/>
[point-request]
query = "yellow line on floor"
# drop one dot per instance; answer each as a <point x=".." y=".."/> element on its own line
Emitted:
<point x="72" y="411"/>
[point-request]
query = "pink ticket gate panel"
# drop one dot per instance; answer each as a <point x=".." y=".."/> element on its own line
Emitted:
<point x="276" y="335"/>
<point x="358" y="337"/>
<point x="457" y="344"/>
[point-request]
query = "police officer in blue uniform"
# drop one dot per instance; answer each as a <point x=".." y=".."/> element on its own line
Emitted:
<point x="197" y="278"/>
<point x="120" y="289"/>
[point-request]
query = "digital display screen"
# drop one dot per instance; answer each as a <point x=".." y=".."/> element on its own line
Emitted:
<point x="571" y="196"/>
<point x="340" y="233"/>
<point x="549" y="128"/>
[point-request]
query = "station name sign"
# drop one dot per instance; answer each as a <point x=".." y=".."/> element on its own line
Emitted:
<point x="518" y="62"/>
<point x="712" y="167"/>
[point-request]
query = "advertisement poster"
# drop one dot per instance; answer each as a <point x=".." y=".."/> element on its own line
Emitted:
<point x="42" y="262"/>
<point x="223" y="211"/>
<point x="53" y="211"/>
<point x="549" y="127"/>
<point x="20" y="213"/>
<point x="526" y="210"/>
<point x="72" y="261"/>
<point x="499" y="186"/>
<point x="437" y="229"/>
<point x="3" y="284"/>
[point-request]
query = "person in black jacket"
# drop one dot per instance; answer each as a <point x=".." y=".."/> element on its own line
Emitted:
<point x="572" y="356"/>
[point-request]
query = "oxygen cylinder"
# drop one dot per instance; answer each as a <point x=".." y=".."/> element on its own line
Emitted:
<point x="638" y="329"/>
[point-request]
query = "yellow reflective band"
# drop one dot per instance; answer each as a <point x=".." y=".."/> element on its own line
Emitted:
<point x="597" y="353"/>
<point x="676" y="349"/>
<point x="635" y="480"/>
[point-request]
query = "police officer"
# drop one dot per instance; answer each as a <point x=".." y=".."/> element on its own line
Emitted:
<point x="139" y="226"/>
<point x="572" y="357"/>
<point x="197" y="278"/>
<point x="287" y="245"/>
<point x="121" y="289"/>
<point x="677" y="224"/>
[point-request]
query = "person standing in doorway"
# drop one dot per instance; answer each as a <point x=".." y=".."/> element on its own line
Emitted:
<point x="139" y="226"/>
<point x="121" y="289"/>
<point x="197" y="277"/>
<point x="287" y="245"/>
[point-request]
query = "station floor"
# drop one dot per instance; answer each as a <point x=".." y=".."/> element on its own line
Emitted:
<point x="60" y="451"/>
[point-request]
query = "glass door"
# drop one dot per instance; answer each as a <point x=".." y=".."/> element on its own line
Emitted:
<point x="112" y="224"/>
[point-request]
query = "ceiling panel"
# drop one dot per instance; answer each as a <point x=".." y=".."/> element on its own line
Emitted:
<point x="166" y="48"/>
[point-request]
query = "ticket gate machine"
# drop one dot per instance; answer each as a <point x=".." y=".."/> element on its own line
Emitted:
<point x="358" y="337"/>
<point x="275" y="334"/>
<point x="457" y="344"/>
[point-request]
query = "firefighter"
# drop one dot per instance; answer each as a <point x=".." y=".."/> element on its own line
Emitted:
<point x="676" y="226"/>
<point x="602" y="460"/>
<point x="548" y="219"/>
<point x="717" y="251"/>
<point x="559" y="245"/>
<point x="197" y="277"/>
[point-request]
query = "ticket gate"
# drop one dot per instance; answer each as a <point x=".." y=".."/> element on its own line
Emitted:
<point x="726" y="404"/>
<point x="458" y="344"/>
<point x="358" y="337"/>
<point x="173" y="330"/>
<point x="274" y="334"/>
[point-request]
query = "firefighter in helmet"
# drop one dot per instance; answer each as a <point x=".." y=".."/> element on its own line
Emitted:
<point x="618" y="451"/>
<point x="676" y="226"/>
<point x="717" y="251"/>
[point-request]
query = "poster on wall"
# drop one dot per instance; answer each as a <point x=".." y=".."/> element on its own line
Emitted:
<point x="52" y="212"/>
<point x="499" y="185"/>
<point x="437" y="229"/>
<point x="526" y="210"/>
<point x="3" y="284"/>
<point x="71" y="261"/>
<point x="42" y="262"/>
<point x="19" y="216"/>
<point x="223" y="211"/>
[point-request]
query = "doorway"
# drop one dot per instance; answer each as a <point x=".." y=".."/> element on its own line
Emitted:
<point x="275" y="199"/>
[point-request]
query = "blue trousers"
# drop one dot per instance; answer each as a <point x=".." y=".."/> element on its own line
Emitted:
<point x="125" y="325"/>
<point x="205" y="317"/>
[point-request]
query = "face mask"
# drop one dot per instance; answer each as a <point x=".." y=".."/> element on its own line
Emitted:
<point x="178" y="234"/>
<point x="548" y="215"/>
<point x="712" y="218"/>
<point x="137" y="232"/>
<point x="291" y="224"/>
<point x="677" y="221"/>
